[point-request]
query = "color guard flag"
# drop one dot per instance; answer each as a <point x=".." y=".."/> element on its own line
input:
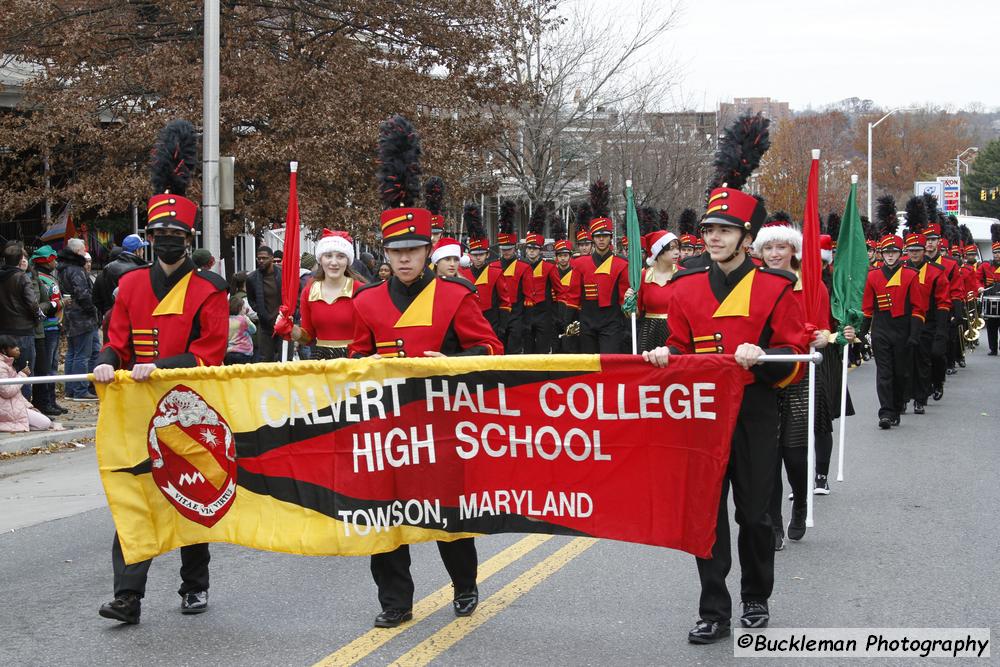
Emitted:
<point x="352" y="457"/>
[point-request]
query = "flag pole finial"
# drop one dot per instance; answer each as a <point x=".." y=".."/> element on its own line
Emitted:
<point x="815" y="153"/>
<point x="854" y="179"/>
<point x="294" y="166"/>
<point x="628" y="183"/>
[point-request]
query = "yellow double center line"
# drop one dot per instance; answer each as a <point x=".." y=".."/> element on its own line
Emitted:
<point x="447" y="636"/>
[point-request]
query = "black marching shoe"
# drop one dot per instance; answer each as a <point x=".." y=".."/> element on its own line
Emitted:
<point x="951" y="371"/>
<point x="961" y="363"/>
<point x="194" y="602"/>
<point x="708" y="632"/>
<point x="779" y="539"/>
<point x="895" y="421"/>
<point x="884" y="423"/>
<point x="991" y="353"/>
<point x="822" y="486"/>
<point x="797" y="525"/>
<point x="393" y="618"/>
<point x="125" y="608"/>
<point x="755" y="615"/>
<point x="918" y="408"/>
<point x="938" y="392"/>
<point x="466" y="603"/>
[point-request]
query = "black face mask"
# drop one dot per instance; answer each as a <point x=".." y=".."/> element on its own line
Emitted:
<point x="169" y="249"/>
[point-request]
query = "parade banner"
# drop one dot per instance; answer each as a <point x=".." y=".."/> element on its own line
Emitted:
<point x="352" y="457"/>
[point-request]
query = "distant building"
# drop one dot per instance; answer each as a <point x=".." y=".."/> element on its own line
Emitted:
<point x="773" y="109"/>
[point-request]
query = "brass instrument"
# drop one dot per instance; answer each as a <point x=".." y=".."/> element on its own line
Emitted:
<point x="572" y="329"/>
<point x="975" y="325"/>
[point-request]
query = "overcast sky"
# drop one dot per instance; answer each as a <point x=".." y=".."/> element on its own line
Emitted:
<point x="813" y="52"/>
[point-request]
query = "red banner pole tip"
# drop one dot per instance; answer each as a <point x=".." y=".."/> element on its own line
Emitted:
<point x="815" y="153"/>
<point x="294" y="166"/>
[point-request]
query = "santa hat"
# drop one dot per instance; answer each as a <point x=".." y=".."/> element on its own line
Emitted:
<point x="332" y="241"/>
<point x="446" y="247"/>
<point x="826" y="247"/>
<point x="778" y="231"/>
<point x="656" y="242"/>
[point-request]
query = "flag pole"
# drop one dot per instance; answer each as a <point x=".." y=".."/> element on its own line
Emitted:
<point x="811" y="460"/>
<point x="811" y="214"/>
<point x="843" y="413"/>
<point x="635" y="342"/>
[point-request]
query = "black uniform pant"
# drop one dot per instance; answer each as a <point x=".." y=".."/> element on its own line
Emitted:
<point x="513" y="340"/>
<point x="603" y="336"/>
<point x="893" y="362"/>
<point x="538" y="333"/>
<point x="992" y="327"/>
<point x="797" y="470"/>
<point x="824" y="452"/>
<point x="391" y="571"/>
<point x="753" y="462"/>
<point x="132" y="578"/>
<point x="922" y="375"/>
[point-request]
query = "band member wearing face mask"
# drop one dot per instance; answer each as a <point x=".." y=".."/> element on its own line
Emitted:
<point x="491" y="289"/>
<point x="166" y="316"/>
<point x="327" y="316"/>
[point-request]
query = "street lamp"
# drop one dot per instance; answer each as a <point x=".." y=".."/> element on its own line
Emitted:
<point x="958" y="172"/>
<point x="870" y="126"/>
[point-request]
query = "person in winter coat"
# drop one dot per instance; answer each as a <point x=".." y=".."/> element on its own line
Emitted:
<point x="19" y="304"/>
<point x="131" y="257"/>
<point x="80" y="317"/>
<point x="43" y="396"/>
<point x="17" y="414"/>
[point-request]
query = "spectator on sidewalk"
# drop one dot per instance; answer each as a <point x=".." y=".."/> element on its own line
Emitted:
<point x="19" y="305"/>
<point x="264" y="295"/>
<point x="17" y="414"/>
<point x="203" y="260"/>
<point x="364" y="267"/>
<point x="239" y="350"/>
<point x="79" y="317"/>
<point x="46" y="331"/>
<point x="132" y="256"/>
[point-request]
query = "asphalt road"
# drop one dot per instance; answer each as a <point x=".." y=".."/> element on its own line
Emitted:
<point x="910" y="539"/>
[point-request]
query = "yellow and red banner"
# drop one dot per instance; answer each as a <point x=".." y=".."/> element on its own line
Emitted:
<point x="352" y="457"/>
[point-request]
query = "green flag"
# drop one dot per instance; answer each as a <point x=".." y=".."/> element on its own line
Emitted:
<point x="634" y="246"/>
<point x="851" y="268"/>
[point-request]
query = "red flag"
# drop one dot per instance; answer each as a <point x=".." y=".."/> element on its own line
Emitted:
<point x="811" y="263"/>
<point x="290" y="261"/>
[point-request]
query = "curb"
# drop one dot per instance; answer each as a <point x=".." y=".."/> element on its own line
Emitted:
<point x="22" y="443"/>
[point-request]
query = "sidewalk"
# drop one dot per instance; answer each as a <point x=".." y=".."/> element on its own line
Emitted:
<point x="80" y="423"/>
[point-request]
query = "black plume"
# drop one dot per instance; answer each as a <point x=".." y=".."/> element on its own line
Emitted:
<point x="951" y="231"/>
<point x="536" y="224"/>
<point x="506" y="221"/>
<point x="966" y="235"/>
<point x="600" y="199"/>
<point x="647" y="221"/>
<point x="916" y="215"/>
<point x="780" y="217"/>
<point x="740" y="151"/>
<point x="931" y="204"/>
<point x="688" y="222"/>
<point x="398" y="162"/>
<point x="664" y="220"/>
<point x="557" y="227"/>
<point x="434" y="195"/>
<point x="885" y="215"/>
<point x="473" y="220"/>
<point x="584" y="214"/>
<point x="833" y="225"/>
<point x="174" y="158"/>
<point x="995" y="232"/>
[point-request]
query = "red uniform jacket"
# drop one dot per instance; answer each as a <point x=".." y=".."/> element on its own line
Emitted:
<point x="491" y="293"/>
<point x="604" y="278"/>
<point x="569" y="288"/>
<point x="329" y="323"/>
<point x="989" y="273"/>
<point x="971" y="282"/>
<point x="890" y="292"/>
<point x="932" y="290"/>
<point x="956" y="286"/>
<point x="713" y="313"/>
<point x="433" y="314"/>
<point x="515" y="280"/>
<point x="543" y="283"/>
<point x="653" y="298"/>
<point x="175" y="321"/>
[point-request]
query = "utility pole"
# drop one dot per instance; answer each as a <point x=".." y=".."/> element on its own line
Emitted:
<point x="212" y="238"/>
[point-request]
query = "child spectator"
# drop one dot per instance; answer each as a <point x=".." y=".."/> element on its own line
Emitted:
<point x="241" y="331"/>
<point x="17" y="414"/>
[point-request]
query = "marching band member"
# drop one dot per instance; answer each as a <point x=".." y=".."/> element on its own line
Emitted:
<point x="735" y="307"/>
<point x="326" y="313"/>
<point x="167" y="315"/>
<point x="939" y="362"/>
<point x="584" y="244"/>
<point x="446" y="255"/>
<point x="434" y="201"/>
<point x="932" y="289"/>
<point x="990" y="274"/>
<point x="491" y="290"/>
<point x="515" y="278"/>
<point x="543" y="286"/>
<point x="604" y="277"/>
<point x="894" y="317"/>
<point x="416" y="314"/>
<point x="568" y="296"/>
